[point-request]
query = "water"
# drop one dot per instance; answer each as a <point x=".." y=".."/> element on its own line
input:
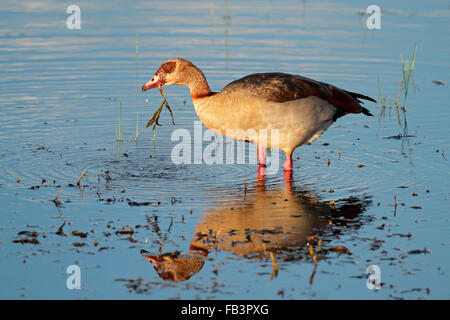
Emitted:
<point x="59" y="108"/>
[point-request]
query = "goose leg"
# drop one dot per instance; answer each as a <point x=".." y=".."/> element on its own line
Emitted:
<point x="288" y="163"/>
<point x="261" y="171"/>
<point x="262" y="156"/>
<point x="261" y="181"/>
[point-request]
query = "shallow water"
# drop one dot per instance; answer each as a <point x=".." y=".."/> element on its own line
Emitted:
<point x="59" y="108"/>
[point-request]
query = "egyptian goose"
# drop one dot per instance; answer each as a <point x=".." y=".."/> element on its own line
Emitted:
<point x="300" y="109"/>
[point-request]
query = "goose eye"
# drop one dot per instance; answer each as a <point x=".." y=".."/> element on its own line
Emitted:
<point x="167" y="68"/>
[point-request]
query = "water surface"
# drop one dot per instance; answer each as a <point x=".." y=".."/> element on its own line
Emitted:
<point x="213" y="227"/>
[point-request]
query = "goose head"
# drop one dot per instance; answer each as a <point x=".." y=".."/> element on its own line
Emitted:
<point x="178" y="71"/>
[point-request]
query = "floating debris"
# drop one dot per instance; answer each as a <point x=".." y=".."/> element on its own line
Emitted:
<point x="131" y="239"/>
<point x="107" y="176"/>
<point x="400" y="136"/>
<point x="79" y="244"/>
<point x="104" y="248"/>
<point x="125" y="231"/>
<point x="60" y="230"/>
<point x="79" y="234"/>
<point x="27" y="240"/>
<point x="56" y="201"/>
<point x="137" y="204"/>
<point x="340" y="249"/>
<point x="418" y="251"/>
<point x="438" y="83"/>
<point x="395" y="205"/>
<point x="401" y="235"/>
<point x="33" y="234"/>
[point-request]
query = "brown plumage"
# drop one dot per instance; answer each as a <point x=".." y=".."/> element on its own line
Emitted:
<point x="283" y="87"/>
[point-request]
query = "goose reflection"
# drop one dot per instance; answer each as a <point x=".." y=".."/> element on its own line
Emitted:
<point x="265" y="219"/>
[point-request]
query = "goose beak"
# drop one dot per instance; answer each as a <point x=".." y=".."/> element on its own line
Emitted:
<point x="152" y="259"/>
<point x="154" y="82"/>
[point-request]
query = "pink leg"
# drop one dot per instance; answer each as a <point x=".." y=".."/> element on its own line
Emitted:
<point x="262" y="155"/>
<point x="288" y="179"/>
<point x="261" y="171"/>
<point x="288" y="164"/>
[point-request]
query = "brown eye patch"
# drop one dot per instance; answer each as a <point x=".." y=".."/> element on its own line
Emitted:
<point x="168" y="67"/>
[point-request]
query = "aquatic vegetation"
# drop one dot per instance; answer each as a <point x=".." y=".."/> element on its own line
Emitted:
<point x="380" y="96"/>
<point x="407" y="76"/>
<point x="119" y="135"/>
<point x="407" y="73"/>
<point x="156" y="115"/>
<point x="81" y="177"/>
<point x="383" y="104"/>
<point x="137" y="127"/>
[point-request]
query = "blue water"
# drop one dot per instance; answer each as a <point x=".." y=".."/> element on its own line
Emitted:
<point x="60" y="95"/>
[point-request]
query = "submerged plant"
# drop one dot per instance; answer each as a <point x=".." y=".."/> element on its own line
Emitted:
<point x="407" y="74"/>
<point x="382" y="100"/>
<point x="137" y="127"/>
<point x="119" y="135"/>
